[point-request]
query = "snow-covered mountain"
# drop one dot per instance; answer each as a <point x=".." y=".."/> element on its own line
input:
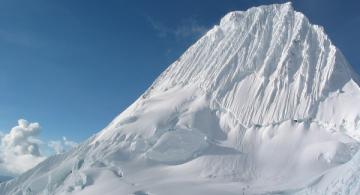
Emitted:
<point x="263" y="103"/>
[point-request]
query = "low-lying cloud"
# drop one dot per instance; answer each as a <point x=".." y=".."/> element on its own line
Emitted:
<point x="20" y="148"/>
<point x="60" y="146"/>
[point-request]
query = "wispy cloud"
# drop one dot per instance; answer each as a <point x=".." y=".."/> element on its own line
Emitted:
<point x="162" y="30"/>
<point x="189" y="28"/>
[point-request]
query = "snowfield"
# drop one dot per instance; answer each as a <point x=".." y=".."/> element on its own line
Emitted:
<point x="263" y="103"/>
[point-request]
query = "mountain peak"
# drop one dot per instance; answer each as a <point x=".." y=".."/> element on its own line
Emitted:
<point x="234" y="17"/>
<point x="272" y="52"/>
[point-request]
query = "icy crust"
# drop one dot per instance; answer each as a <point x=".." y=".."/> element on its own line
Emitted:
<point x="265" y="65"/>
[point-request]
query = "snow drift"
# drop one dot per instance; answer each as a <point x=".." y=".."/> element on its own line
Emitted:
<point x="263" y="103"/>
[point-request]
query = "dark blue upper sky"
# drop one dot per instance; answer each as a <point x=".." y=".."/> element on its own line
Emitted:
<point x="72" y="65"/>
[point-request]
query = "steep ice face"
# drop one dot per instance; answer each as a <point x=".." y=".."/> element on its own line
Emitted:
<point x="265" y="65"/>
<point x="262" y="103"/>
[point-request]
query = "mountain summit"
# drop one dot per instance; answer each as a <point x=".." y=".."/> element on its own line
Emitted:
<point x="265" y="65"/>
<point x="262" y="103"/>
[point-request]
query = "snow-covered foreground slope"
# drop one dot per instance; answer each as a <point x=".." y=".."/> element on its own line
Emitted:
<point x="261" y="104"/>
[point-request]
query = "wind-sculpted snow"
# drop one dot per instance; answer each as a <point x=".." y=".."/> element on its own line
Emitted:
<point x="263" y="103"/>
<point x="265" y="65"/>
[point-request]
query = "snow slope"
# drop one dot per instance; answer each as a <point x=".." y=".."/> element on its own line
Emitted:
<point x="263" y="103"/>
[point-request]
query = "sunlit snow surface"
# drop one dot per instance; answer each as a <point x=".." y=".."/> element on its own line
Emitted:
<point x="262" y="104"/>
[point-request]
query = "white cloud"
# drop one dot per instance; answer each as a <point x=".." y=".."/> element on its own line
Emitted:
<point x="69" y="143"/>
<point x="56" y="146"/>
<point x="60" y="146"/>
<point x="20" y="148"/>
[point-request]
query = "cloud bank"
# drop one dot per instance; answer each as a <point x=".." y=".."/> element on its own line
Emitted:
<point x="20" y="148"/>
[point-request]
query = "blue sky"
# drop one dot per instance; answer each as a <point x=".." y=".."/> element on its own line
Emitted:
<point x="73" y="66"/>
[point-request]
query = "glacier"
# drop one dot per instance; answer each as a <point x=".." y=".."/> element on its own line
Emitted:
<point x="263" y="103"/>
